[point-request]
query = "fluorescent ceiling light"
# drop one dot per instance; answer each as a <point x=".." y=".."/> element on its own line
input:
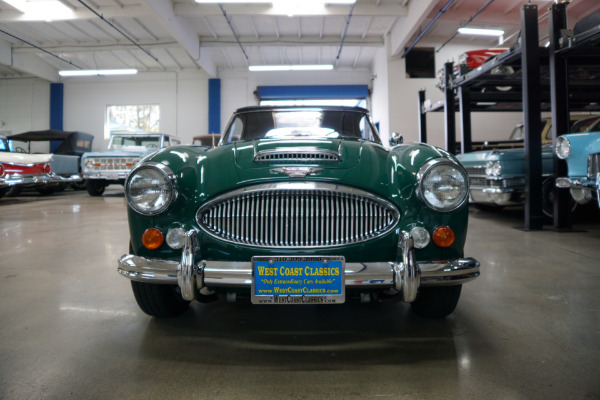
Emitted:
<point x="482" y="32"/>
<point x="320" y="67"/>
<point x="98" y="72"/>
<point x="41" y="10"/>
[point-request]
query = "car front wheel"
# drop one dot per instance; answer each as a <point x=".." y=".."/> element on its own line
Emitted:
<point x="436" y="302"/>
<point x="95" y="188"/>
<point x="161" y="301"/>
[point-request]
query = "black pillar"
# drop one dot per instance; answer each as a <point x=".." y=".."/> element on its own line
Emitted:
<point x="559" y="94"/>
<point x="422" y="118"/>
<point x="449" y="109"/>
<point x="530" y="62"/>
<point x="464" y="100"/>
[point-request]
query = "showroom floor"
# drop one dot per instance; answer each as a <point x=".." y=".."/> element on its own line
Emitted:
<point x="528" y="328"/>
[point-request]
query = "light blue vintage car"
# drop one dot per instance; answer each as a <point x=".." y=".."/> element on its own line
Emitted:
<point x="497" y="176"/>
<point x="581" y="151"/>
<point x="124" y="151"/>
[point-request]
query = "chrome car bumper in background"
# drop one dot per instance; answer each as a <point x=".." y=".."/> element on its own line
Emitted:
<point x="107" y="176"/>
<point x="42" y="179"/>
<point x="404" y="274"/>
<point x="498" y="196"/>
<point x="583" y="189"/>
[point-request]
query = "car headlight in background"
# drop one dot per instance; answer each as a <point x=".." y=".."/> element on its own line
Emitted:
<point x="493" y="168"/>
<point x="149" y="188"/>
<point x="443" y="185"/>
<point x="562" y="148"/>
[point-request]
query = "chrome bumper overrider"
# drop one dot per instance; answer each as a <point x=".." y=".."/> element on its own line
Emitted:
<point x="405" y="274"/>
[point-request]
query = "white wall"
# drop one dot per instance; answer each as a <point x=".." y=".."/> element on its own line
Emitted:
<point x="24" y="105"/>
<point x="380" y="103"/>
<point x="183" y="101"/>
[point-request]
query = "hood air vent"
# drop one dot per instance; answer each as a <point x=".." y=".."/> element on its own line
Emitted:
<point x="297" y="155"/>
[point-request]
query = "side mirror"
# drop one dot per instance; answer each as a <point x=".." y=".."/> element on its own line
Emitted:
<point x="396" y="139"/>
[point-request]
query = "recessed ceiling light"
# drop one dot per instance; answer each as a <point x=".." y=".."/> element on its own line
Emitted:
<point x="481" y="32"/>
<point x="319" y="67"/>
<point x="98" y="72"/>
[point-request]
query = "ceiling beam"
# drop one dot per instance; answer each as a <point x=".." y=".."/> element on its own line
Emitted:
<point x="183" y="33"/>
<point x="34" y="65"/>
<point x="293" y="40"/>
<point x="195" y="10"/>
<point x="407" y="27"/>
<point x="81" y="13"/>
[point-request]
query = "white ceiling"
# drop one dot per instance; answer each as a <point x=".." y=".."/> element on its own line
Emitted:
<point x="183" y="35"/>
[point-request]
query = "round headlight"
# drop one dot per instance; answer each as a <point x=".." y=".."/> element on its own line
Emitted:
<point x="149" y="188"/>
<point x="443" y="185"/>
<point x="420" y="237"/>
<point x="89" y="164"/>
<point x="493" y="168"/>
<point x="562" y="148"/>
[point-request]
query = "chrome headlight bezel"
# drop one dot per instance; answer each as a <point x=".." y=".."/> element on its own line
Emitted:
<point x="168" y="180"/>
<point x="562" y="148"/>
<point x="426" y="172"/>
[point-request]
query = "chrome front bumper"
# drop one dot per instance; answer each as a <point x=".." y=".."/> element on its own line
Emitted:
<point x="107" y="176"/>
<point x="37" y="180"/>
<point x="585" y="186"/>
<point x="404" y="274"/>
<point x="498" y="196"/>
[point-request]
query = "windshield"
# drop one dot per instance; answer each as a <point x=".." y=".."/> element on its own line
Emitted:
<point x="300" y="124"/>
<point x="134" y="142"/>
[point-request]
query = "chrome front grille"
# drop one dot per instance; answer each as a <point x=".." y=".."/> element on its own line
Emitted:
<point x="297" y="215"/>
<point x="593" y="166"/>
<point x="475" y="171"/>
<point x="110" y="163"/>
<point x="302" y="156"/>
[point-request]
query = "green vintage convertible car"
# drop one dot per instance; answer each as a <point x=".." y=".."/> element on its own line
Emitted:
<point x="298" y="205"/>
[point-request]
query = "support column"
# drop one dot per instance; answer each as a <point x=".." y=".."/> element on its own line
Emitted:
<point x="214" y="106"/>
<point x="56" y="111"/>
<point x="530" y="62"/>
<point x="422" y="118"/>
<point x="449" y="112"/>
<point x="559" y="94"/>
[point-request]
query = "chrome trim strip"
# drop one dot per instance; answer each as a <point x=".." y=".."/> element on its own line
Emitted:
<point x="297" y="154"/>
<point x="16" y="179"/>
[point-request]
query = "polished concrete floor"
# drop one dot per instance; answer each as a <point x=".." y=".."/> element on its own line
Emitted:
<point x="528" y="328"/>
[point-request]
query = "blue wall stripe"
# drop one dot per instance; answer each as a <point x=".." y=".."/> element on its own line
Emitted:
<point x="313" y="92"/>
<point x="56" y="110"/>
<point x="214" y="106"/>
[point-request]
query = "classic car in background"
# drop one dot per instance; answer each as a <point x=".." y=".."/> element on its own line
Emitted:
<point x="44" y="172"/>
<point x="298" y="205"/>
<point x="124" y="151"/>
<point x="581" y="151"/>
<point x="497" y="177"/>
<point x="206" y="140"/>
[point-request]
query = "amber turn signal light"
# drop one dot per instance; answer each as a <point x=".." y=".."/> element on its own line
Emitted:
<point x="152" y="239"/>
<point x="443" y="236"/>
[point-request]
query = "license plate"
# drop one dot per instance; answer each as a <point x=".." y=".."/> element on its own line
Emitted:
<point x="298" y="280"/>
<point x="112" y="177"/>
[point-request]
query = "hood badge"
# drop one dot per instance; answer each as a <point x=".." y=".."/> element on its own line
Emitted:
<point x="296" y="172"/>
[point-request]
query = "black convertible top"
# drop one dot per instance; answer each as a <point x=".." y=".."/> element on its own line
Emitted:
<point x="75" y="142"/>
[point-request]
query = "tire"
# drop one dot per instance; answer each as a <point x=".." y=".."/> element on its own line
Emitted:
<point x="161" y="301"/>
<point x="436" y="302"/>
<point x="14" y="191"/>
<point x="94" y="187"/>
<point x="3" y="192"/>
